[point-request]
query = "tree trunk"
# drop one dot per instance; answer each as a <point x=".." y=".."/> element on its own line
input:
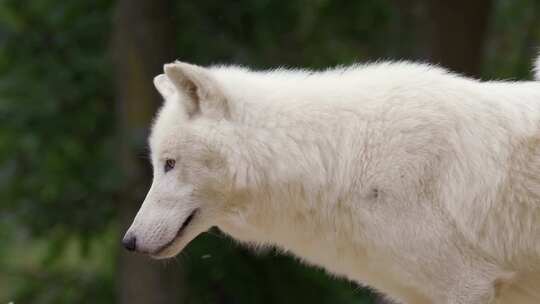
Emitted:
<point x="458" y="33"/>
<point x="142" y="41"/>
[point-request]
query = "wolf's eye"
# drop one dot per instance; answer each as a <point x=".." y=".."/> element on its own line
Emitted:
<point x="169" y="165"/>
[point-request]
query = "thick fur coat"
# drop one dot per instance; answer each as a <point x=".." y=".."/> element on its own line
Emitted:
<point x="404" y="177"/>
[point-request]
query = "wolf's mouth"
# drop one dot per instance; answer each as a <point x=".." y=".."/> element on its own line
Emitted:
<point x="186" y="222"/>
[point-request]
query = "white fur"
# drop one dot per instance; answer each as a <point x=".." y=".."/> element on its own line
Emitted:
<point x="536" y="68"/>
<point x="403" y="177"/>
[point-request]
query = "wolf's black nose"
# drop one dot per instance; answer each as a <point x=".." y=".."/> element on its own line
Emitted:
<point x="130" y="243"/>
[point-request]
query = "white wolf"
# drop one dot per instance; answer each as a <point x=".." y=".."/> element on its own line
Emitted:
<point x="420" y="183"/>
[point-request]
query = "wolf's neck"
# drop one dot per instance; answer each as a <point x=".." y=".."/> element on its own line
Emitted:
<point x="288" y="191"/>
<point x="280" y="159"/>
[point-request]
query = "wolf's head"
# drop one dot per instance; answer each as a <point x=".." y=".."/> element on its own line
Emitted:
<point x="191" y="178"/>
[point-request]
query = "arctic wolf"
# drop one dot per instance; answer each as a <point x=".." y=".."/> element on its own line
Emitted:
<point x="404" y="177"/>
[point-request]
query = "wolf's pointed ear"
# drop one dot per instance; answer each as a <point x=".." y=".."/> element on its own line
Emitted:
<point x="202" y="93"/>
<point x="164" y="86"/>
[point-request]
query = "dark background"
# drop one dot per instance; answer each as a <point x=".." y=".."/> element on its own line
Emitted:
<point x="76" y="101"/>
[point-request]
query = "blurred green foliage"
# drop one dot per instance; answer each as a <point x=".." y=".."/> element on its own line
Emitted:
<point x="57" y="119"/>
<point x="58" y="175"/>
<point x="266" y="34"/>
<point x="513" y="40"/>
